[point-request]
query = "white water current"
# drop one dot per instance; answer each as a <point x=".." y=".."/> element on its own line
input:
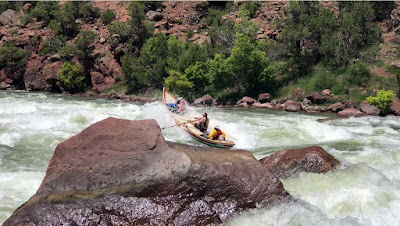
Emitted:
<point x="364" y="190"/>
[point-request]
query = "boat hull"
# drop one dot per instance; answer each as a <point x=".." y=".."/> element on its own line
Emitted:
<point x="183" y="120"/>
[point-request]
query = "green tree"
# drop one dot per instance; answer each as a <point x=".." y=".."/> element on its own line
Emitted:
<point x="154" y="55"/>
<point x="219" y="72"/>
<point x="192" y="54"/>
<point x="175" y="49"/>
<point x="250" y="66"/>
<point x="71" y="78"/>
<point x="140" y="30"/>
<point x="107" y="17"/>
<point x="178" y="83"/>
<point x="45" y="11"/>
<point x="12" y="58"/>
<point x="83" y="44"/>
<point x="134" y="73"/>
<point x="64" y="20"/>
<point x="196" y="74"/>
<point x="88" y="13"/>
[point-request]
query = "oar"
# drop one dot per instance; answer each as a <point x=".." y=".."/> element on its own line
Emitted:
<point x="231" y="137"/>
<point x="178" y="124"/>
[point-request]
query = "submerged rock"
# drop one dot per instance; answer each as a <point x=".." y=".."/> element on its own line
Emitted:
<point x="287" y="163"/>
<point x="121" y="172"/>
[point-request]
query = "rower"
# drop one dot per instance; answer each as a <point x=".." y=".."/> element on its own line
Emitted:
<point x="202" y="124"/>
<point x="216" y="134"/>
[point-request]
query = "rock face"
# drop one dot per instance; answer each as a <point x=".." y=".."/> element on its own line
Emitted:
<point x="287" y="163"/>
<point x="205" y="100"/>
<point x="120" y="172"/>
<point x="369" y="109"/>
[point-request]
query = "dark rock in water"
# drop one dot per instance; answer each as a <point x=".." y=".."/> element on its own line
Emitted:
<point x="205" y="100"/>
<point x="369" y="109"/>
<point x="121" y="172"/>
<point x="287" y="163"/>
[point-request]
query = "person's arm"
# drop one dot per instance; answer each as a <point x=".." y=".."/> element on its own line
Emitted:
<point x="212" y="134"/>
<point x="223" y="134"/>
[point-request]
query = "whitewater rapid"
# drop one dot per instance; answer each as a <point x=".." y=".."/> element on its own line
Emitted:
<point x="364" y="190"/>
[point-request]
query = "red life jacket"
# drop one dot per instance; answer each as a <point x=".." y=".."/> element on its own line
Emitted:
<point x="219" y="133"/>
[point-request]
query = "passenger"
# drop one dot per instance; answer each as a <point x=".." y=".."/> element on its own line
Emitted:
<point x="216" y="134"/>
<point x="181" y="105"/>
<point x="202" y="124"/>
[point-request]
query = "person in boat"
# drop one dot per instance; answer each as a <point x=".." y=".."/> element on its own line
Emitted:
<point x="202" y="123"/>
<point x="216" y="134"/>
<point x="180" y="105"/>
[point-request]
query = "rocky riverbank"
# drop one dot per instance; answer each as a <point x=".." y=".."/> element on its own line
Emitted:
<point x="121" y="172"/>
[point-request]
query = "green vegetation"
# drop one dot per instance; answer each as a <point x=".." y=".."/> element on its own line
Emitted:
<point x="382" y="100"/>
<point x="52" y="45"/>
<point x="107" y="17"/>
<point x="70" y="77"/>
<point x="316" y="49"/>
<point x="12" y="58"/>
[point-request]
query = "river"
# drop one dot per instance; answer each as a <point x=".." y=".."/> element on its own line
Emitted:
<point x="363" y="190"/>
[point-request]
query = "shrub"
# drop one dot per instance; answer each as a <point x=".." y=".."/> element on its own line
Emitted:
<point x="359" y="73"/>
<point x="26" y="19"/>
<point x="52" y="45"/>
<point x="71" y="78"/>
<point x="107" y="17"/>
<point x="189" y="34"/>
<point x="178" y="83"/>
<point x="68" y="52"/>
<point x="88" y="13"/>
<point x="83" y="43"/>
<point x="382" y="100"/>
<point x="12" y="57"/>
<point x="45" y="11"/>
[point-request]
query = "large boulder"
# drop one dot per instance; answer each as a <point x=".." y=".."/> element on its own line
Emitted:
<point x="264" y="98"/>
<point x="395" y="108"/>
<point x="34" y="79"/>
<point x="49" y="72"/>
<point x="369" y="109"/>
<point x="9" y="17"/>
<point x="247" y="100"/>
<point x="314" y="97"/>
<point x="293" y="106"/>
<point x="336" y="107"/>
<point x="287" y="163"/>
<point x="207" y="100"/>
<point x="351" y="112"/>
<point x="121" y="172"/>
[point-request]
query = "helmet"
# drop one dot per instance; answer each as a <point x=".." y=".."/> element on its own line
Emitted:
<point x="216" y="127"/>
